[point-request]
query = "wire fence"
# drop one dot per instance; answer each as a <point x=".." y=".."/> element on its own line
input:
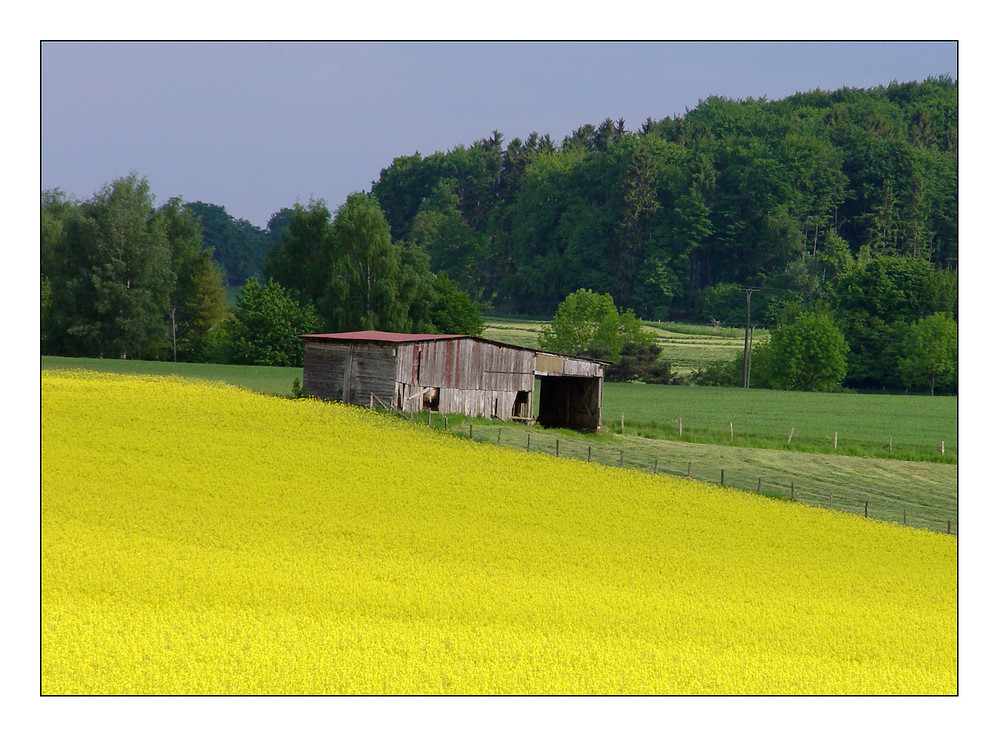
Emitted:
<point x="868" y="499"/>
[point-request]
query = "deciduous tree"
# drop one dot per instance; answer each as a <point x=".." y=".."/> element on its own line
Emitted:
<point x="930" y="357"/>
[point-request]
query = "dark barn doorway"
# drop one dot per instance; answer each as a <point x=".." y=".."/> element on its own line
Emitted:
<point x="570" y="402"/>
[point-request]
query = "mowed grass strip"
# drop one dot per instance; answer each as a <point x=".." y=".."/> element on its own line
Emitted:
<point x="919" y="494"/>
<point x="198" y="538"/>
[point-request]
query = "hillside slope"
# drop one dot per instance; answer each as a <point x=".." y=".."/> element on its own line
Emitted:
<point x="203" y="539"/>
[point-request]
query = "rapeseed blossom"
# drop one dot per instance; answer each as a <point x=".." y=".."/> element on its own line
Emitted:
<point x="203" y="539"/>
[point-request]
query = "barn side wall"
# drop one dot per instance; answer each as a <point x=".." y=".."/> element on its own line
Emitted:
<point x="349" y="372"/>
<point x="467" y="376"/>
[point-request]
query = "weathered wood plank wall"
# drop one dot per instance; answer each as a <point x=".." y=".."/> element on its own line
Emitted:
<point x="461" y="375"/>
<point x="472" y="377"/>
<point x="360" y="368"/>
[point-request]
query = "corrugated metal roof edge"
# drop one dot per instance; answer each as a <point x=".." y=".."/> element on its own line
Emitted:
<point x="386" y="337"/>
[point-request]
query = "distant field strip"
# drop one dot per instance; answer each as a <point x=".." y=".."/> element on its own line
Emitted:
<point x="687" y="347"/>
<point x="203" y="539"/>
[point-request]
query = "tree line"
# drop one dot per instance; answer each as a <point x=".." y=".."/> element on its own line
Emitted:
<point x="731" y="192"/>
<point x="124" y="279"/>
<point x="842" y="202"/>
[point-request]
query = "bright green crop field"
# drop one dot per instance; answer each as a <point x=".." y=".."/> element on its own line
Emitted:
<point x="864" y="424"/>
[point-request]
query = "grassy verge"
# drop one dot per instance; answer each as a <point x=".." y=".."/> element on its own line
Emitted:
<point x="923" y="494"/>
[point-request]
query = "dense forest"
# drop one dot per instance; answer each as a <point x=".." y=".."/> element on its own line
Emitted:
<point x="845" y="201"/>
<point x="748" y="192"/>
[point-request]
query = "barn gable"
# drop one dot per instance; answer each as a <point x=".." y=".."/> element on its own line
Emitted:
<point x="453" y="374"/>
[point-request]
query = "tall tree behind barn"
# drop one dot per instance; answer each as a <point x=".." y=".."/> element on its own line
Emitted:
<point x="454" y="374"/>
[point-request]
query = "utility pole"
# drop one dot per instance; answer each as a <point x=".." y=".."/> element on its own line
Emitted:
<point x="173" y="327"/>
<point x="746" y="338"/>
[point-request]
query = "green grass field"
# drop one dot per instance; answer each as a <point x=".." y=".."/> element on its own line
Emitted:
<point x="864" y="424"/>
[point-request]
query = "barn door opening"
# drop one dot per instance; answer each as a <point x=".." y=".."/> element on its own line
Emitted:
<point x="432" y="398"/>
<point x="570" y="402"/>
<point x="522" y="406"/>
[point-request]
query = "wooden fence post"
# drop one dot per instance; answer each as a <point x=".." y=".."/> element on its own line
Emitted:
<point x="722" y="482"/>
<point x="942" y="448"/>
<point x="621" y="458"/>
<point x="680" y="427"/>
<point x="498" y="435"/>
<point x="730" y="431"/>
<point x="790" y="436"/>
<point x="793" y="489"/>
<point x="588" y="453"/>
<point x="835" y="440"/>
<point x="866" y="508"/>
<point x="758" y="485"/>
<point x="904" y="516"/>
<point x="557" y="447"/>
<point x="623" y="422"/>
<point x="470" y="430"/>
<point x="428" y="418"/>
<point x="446" y="422"/>
<point x="529" y="442"/>
<point x="656" y="466"/>
<point x="689" y="468"/>
<point x="890" y="445"/>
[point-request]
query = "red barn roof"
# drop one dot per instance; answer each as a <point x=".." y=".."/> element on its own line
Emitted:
<point x="384" y="336"/>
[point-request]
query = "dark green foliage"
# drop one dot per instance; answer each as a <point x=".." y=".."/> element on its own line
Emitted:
<point x="877" y="301"/>
<point x="640" y="362"/>
<point x="203" y="311"/>
<point x="806" y="351"/>
<point x="929" y="358"/>
<point x="238" y="246"/>
<point x="348" y="267"/>
<point x="265" y="326"/>
<point x="734" y="192"/>
<point x="121" y="278"/>
<point x="588" y="324"/>
<point x="724" y="374"/>
<point x="453" y="311"/>
<point x="110" y="265"/>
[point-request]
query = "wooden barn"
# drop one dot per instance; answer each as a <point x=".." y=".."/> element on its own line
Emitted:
<point x="454" y="374"/>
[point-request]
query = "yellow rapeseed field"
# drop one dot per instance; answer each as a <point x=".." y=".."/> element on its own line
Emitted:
<point x="202" y="539"/>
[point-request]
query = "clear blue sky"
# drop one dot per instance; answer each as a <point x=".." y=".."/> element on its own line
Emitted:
<point x="258" y="126"/>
